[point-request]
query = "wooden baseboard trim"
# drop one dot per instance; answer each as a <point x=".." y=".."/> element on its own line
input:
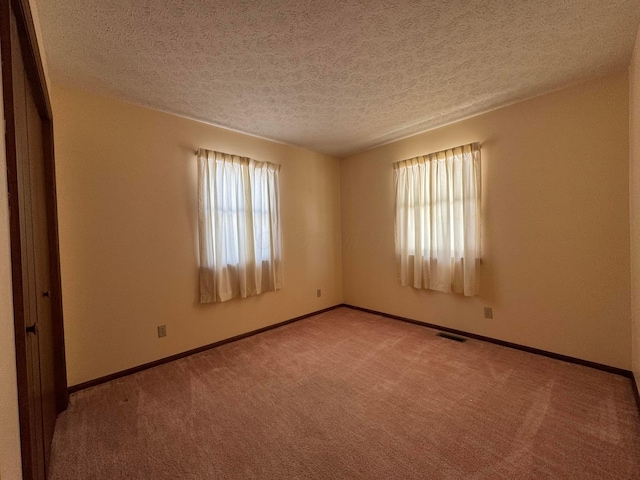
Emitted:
<point x="155" y="363"/>
<point x="524" y="348"/>
<point x="557" y="356"/>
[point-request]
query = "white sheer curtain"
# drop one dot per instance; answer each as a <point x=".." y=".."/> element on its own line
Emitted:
<point x="437" y="223"/>
<point x="238" y="226"/>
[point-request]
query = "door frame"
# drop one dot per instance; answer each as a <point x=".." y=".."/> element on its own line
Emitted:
<point x="35" y="75"/>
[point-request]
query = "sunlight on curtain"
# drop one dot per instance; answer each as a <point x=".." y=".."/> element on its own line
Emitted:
<point x="437" y="223"/>
<point x="238" y="226"/>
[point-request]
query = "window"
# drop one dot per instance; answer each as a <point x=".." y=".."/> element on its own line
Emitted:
<point x="437" y="222"/>
<point x="238" y="226"/>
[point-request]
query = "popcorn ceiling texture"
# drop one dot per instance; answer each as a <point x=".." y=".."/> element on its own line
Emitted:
<point x="334" y="76"/>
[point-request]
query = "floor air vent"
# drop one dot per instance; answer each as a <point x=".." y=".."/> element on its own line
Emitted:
<point x="451" y="337"/>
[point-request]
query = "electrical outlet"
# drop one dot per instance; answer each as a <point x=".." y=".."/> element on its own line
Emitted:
<point x="162" y="331"/>
<point x="319" y="293"/>
<point x="488" y="312"/>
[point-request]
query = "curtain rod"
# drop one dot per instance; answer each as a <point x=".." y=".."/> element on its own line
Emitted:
<point x="444" y="150"/>
<point x="197" y="150"/>
<point x="458" y="146"/>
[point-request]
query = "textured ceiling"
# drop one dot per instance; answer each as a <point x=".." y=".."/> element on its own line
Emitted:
<point x="335" y="76"/>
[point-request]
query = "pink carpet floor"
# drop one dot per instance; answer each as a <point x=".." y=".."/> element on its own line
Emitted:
<point x="351" y="395"/>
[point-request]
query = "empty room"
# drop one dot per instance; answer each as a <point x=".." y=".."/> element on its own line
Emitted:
<point x="320" y="240"/>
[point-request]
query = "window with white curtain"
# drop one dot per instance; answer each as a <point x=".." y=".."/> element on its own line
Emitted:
<point x="238" y="226"/>
<point x="438" y="220"/>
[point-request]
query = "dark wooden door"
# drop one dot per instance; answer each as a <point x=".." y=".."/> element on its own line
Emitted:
<point x="27" y="252"/>
<point x="35" y="261"/>
<point x="44" y="334"/>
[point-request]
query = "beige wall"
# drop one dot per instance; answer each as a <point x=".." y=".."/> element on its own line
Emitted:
<point x="556" y="225"/>
<point x="127" y="204"/>
<point x="10" y="460"/>
<point x="634" y="202"/>
<point x="556" y="229"/>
